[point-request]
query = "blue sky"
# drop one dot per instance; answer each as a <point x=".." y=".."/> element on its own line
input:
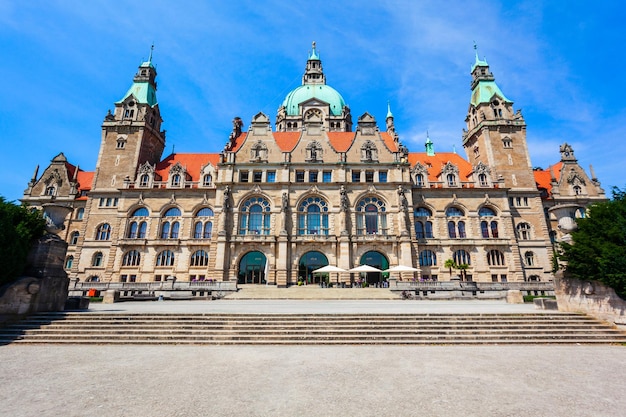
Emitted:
<point x="63" y="64"/>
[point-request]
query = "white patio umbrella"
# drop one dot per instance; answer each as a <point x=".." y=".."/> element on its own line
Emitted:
<point x="365" y="268"/>
<point x="400" y="269"/>
<point x="329" y="269"/>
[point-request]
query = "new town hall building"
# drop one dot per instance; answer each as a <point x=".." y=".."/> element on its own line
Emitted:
<point x="320" y="188"/>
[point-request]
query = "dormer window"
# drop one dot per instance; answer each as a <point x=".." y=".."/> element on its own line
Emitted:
<point x="144" y="180"/>
<point x="482" y="180"/>
<point x="176" y="180"/>
<point x="129" y="113"/>
<point x="207" y="180"/>
<point x="51" y="191"/>
<point x="451" y="179"/>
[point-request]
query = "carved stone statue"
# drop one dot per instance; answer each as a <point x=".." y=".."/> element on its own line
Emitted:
<point x="227" y="198"/>
<point x="404" y="204"/>
<point x="344" y="202"/>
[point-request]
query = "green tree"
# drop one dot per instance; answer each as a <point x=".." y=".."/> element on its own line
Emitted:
<point x="598" y="251"/>
<point x="20" y="226"/>
<point x="449" y="263"/>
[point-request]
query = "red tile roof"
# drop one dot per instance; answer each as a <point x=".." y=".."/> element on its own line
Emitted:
<point x="543" y="177"/>
<point x="437" y="161"/>
<point x="341" y="141"/>
<point x="389" y="142"/>
<point x="286" y="141"/>
<point x="239" y="141"/>
<point x="192" y="162"/>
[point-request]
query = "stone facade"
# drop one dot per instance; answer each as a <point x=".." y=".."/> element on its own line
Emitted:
<point x="274" y="205"/>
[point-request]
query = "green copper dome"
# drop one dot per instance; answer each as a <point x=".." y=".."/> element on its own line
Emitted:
<point x="320" y="92"/>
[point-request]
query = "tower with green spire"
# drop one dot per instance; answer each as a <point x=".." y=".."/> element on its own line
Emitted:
<point x="496" y="134"/>
<point x="131" y="135"/>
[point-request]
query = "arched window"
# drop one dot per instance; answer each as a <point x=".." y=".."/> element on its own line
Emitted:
<point x="454" y="212"/>
<point x="451" y="178"/>
<point x="96" y="260"/>
<point x="494" y="229"/>
<point x="199" y="258"/>
<point x="165" y="258"/>
<point x="207" y="180"/>
<point x="313" y="217"/>
<point x="140" y="212"/>
<point x="255" y="217"/>
<point x="131" y="258"/>
<point x="523" y="231"/>
<point x="461" y="257"/>
<point x="144" y="180"/>
<point x="203" y="227"/>
<point x="74" y="238"/>
<point x="451" y="230"/>
<point x="51" y="191"/>
<point x="419" y="180"/>
<point x="371" y="216"/>
<point x="428" y="258"/>
<point x="172" y="212"/>
<point x="176" y="180"/>
<point x="165" y="230"/>
<point x="80" y="213"/>
<point x="103" y="232"/>
<point x="461" y="227"/>
<point x="482" y="180"/>
<point x="169" y="228"/>
<point x="488" y="229"/>
<point x="495" y="258"/>
<point x="456" y="230"/>
<point x="423" y="227"/>
<point x="578" y="190"/>
<point x="69" y="261"/>
<point x="529" y="258"/>
<point x="486" y="212"/>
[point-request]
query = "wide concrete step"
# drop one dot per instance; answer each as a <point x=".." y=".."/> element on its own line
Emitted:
<point x="209" y="328"/>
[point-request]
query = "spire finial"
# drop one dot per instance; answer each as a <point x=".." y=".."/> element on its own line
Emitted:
<point x="389" y="114"/>
<point x="430" y="148"/>
<point x="151" y="49"/>
<point x="313" y="45"/>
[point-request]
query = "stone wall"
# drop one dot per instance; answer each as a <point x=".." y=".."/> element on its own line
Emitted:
<point x="45" y="286"/>
<point x="589" y="297"/>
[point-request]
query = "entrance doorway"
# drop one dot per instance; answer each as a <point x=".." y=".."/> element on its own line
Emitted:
<point x="309" y="262"/>
<point x="252" y="268"/>
<point x="377" y="260"/>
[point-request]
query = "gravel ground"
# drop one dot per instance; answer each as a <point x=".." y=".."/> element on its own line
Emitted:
<point x="543" y="380"/>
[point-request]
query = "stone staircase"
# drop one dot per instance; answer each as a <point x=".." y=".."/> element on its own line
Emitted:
<point x="309" y="329"/>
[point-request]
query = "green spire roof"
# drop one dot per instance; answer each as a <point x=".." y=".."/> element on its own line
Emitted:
<point x="478" y="62"/>
<point x="430" y="148"/>
<point x="485" y="91"/>
<point x="314" y="55"/>
<point x="144" y="93"/>
<point x="321" y="92"/>
<point x="144" y="87"/>
<point x="389" y="113"/>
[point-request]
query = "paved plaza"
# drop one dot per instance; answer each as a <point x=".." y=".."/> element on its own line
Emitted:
<point x="535" y="380"/>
